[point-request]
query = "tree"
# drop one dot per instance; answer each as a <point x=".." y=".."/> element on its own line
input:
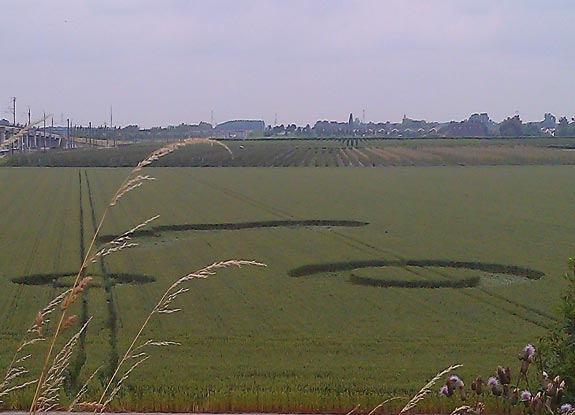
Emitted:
<point x="563" y="129"/>
<point x="511" y="127"/>
<point x="549" y="121"/>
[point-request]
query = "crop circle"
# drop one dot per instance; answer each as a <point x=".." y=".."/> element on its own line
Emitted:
<point x="66" y="279"/>
<point x="440" y="278"/>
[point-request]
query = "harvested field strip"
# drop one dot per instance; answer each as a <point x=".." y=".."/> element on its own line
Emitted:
<point x="394" y="154"/>
<point x="338" y="161"/>
<point x="344" y="157"/>
<point x="334" y="158"/>
<point x="498" y="154"/>
<point x="292" y="157"/>
<point x="367" y="161"/>
<point x="449" y="153"/>
<point x="387" y="158"/>
<point x="353" y="157"/>
<point x="298" y="153"/>
<point x="491" y="155"/>
<point x="326" y="157"/>
<point x="280" y="159"/>
<point x="155" y="231"/>
<point x="308" y="158"/>
<point x="415" y="154"/>
<point x="375" y="156"/>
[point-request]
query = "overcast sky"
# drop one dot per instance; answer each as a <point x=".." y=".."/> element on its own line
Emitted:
<point x="171" y="61"/>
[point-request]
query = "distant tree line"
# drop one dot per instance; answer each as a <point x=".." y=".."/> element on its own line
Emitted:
<point x="477" y="125"/>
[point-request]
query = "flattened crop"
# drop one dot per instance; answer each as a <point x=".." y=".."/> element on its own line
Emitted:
<point x="437" y="278"/>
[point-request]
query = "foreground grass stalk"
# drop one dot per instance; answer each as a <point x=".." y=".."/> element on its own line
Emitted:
<point x="16" y="368"/>
<point x="131" y="182"/>
<point x="21" y="132"/>
<point x="69" y="299"/>
<point x="419" y="396"/>
<point x="163" y="306"/>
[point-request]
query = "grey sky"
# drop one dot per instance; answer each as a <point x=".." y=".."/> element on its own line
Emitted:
<point x="171" y="61"/>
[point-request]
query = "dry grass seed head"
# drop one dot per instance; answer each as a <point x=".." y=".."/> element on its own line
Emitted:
<point x="354" y="410"/>
<point x="85" y="406"/>
<point x="50" y="380"/>
<point x="119" y="384"/>
<point x="43" y="314"/>
<point x="39" y="324"/>
<point x="419" y="396"/>
<point x="121" y="242"/>
<point x="69" y="321"/>
<point x="135" y="179"/>
<point x="16" y="369"/>
<point x="20" y="133"/>
<point x="161" y="307"/>
<point x="49" y="397"/>
<point x="76" y="289"/>
<point x="164" y="305"/>
<point x="383" y="404"/>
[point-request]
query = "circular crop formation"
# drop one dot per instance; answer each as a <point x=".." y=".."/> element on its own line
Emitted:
<point x="236" y="226"/>
<point x="422" y="273"/>
<point x="66" y="280"/>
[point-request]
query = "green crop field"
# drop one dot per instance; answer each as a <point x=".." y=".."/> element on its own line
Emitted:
<point x="357" y="325"/>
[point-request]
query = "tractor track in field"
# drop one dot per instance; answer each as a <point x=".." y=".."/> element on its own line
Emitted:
<point x="494" y="296"/>
<point x="246" y="199"/>
<point x="497" y="301"/>
<point x="510" y="302"/>
<point x="505" y="304"/>
<point x="525" y="307"/>
<point x="108" y="287"/>
<point x="78" y="363"/>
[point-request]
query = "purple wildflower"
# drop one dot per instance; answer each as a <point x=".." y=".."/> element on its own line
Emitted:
<point x="444" y="391"/>
<point x="566" y="408"/>
<point x="525" y="396"/>
<point x="454" y="379"/>
<point x="529" y="351"/>
<point x="492" y="382"/>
